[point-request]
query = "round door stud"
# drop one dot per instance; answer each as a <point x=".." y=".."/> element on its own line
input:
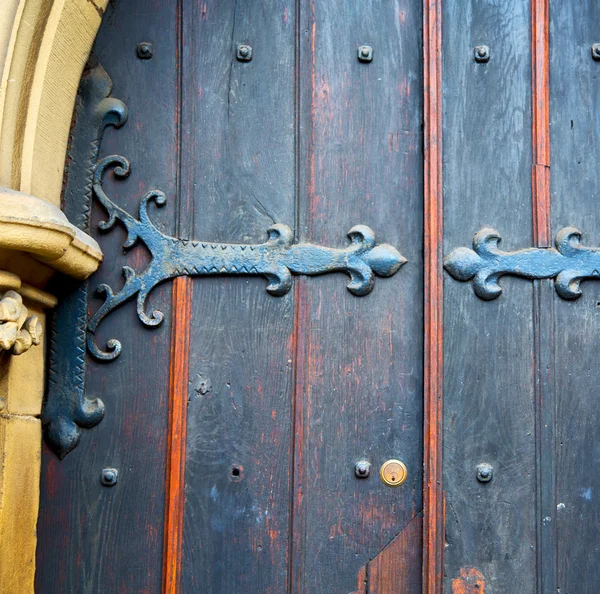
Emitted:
<point x="481" y="54"/>
<point x="365" y="53"/>
<point x="244" y="53"/>
<point x="485" y="473"/>
<point x="393" y="473"/>
<point x="109" y="477"/>
<point x="362" y="469"/>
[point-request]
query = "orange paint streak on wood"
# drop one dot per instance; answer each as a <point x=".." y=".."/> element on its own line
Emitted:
<point x="469" y="581"/>
<point x="433" y="516"/>
<point x="178" y="395"/>
<point x="540" y="64"/>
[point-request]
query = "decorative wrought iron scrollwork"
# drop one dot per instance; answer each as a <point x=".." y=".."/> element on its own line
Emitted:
<point x="67" y="409"/>
<point x="568" y="264"/>
<point x="276" y="259"/>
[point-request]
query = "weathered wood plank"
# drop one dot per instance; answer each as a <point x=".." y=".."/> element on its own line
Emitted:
<point x="93" y="538"/>
<point x="177" y="435"/>
<point x="397" y="568"/>
<point x="543" y="301"/>
<point x="488" y="358"/>
<point x="359" y="374"/>
<point x="575" y="186"/>
<point x="238" y="120"/>
<point x="433" y="317"/>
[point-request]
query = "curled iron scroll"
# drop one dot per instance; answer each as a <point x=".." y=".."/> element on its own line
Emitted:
<point x="277" y="259"/>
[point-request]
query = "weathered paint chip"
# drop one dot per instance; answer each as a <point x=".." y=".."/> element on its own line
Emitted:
<point x="470" y="581"/>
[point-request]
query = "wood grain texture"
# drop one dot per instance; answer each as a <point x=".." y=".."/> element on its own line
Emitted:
<point x="237" y="119"/>
<point x="488" y="346"/>
<point x="575" y="183"/>
<point x="283" y="395"/>
<point x="94" y="539"/>
<point x="177" y="437"/>
<point x="433" y="511"/>
<point x="359" y="373"/>
<point x="540" y="123"/>
<point x="543" y="301"/>
<point x="397" y="568"/>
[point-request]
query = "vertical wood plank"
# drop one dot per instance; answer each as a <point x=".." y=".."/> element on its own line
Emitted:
<point x="540" y="77"/>
<point x="488" y="346"/>
<point x="238" y="178"/>
<point x="575" y="184"/>
<point x="433" y="516"/>
<point x="397" y="568"/>
<point x="94" y="539"/>
<point x="176" y="444"/>
<point x="543" y="301"/>
<point x="359" y="373"/>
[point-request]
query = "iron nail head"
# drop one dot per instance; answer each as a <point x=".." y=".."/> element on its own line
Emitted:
<point x="362" y="468"/>
<point x="485" y="472"/>
<point x="244" y="53"/>
<point x="481" y="53"/>
<point x="145" y="50"/>
<point x="365" y="53"/>
<point x="596" y="51"/>
<point x="109" y="477"/>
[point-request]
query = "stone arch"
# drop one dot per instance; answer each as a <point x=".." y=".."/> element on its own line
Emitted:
<point x="44" y="46"/>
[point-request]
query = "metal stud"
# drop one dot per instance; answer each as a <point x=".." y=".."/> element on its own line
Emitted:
<point x="596" y="51"/>
<point x="481" y="54"/>
<point x="244" y="53"/>
<point x="144" y="50"/>
<point x="109" y="477"/>
<point x="365" y="53"/>
<point x="485" y="473"/>
<point x="362" y="468"/>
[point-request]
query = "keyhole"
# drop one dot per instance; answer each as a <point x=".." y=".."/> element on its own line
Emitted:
<point x="393" y="473"/>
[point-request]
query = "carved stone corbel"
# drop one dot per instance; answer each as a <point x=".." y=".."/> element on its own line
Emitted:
<point x="18" y="330"/>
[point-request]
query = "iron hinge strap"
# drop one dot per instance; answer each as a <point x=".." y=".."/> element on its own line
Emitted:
<point x="569" y="263"/>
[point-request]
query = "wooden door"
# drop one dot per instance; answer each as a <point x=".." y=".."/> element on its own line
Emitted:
<point x="236" y="426"/>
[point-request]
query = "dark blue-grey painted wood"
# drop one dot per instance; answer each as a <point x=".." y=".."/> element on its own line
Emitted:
<point x="94" y="539"/>
<point x="359" y="389"/>
<point x="238" y="180"/>
<point x="575" y="188"/>
<point x="488" y="345"/>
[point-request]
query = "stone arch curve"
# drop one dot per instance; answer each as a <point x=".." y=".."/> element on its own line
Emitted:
<point x="44" y="46"/>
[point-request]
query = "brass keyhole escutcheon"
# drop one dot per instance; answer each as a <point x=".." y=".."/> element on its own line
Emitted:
<point x="393" y="473"/>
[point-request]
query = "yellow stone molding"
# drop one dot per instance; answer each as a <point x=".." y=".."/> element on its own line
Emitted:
<point x="19" y="496"/>
<point x="21" y="393"/>
<point x="44" y="45"/>
<point x="29" y="224"/>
